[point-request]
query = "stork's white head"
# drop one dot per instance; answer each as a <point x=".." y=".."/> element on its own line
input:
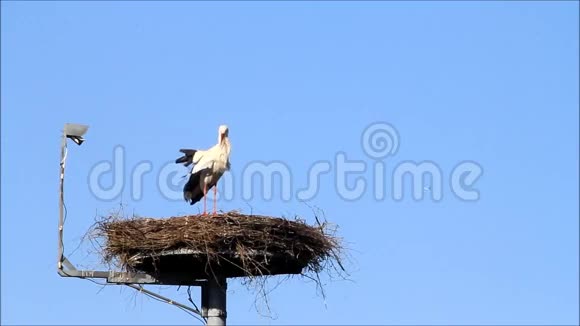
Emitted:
<point x="223" y="133"/>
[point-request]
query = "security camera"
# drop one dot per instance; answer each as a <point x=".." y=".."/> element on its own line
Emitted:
<point x="75" y="132"/>
<point x="77" y="139"/>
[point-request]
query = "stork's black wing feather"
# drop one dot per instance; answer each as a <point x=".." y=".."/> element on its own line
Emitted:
<point x="187" y="158"/>
<point x="193" y="189"/>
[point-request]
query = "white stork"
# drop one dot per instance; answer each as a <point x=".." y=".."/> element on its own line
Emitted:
<point x="209" y="166"/>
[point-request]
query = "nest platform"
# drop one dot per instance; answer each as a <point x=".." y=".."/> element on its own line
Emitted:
<point x="229" y="244"/>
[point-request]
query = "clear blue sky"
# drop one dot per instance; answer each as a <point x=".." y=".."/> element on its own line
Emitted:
<point x="297" y="82"/>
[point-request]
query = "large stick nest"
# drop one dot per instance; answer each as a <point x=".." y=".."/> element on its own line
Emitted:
<point x="231" y="244"/>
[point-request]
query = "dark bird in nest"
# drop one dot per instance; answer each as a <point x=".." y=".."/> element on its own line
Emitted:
<point x="209" y="166"/>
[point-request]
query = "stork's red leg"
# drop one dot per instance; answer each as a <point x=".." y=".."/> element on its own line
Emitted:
<point x="215" y="199"/>
<point x="204" y="198"/>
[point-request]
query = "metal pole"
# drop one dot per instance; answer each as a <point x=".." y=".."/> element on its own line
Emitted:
<point x="61" y="202"/>
<point x="214" y="297"/>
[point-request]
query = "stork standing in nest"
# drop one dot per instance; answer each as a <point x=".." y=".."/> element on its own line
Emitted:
<point x="209" y="166"/>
